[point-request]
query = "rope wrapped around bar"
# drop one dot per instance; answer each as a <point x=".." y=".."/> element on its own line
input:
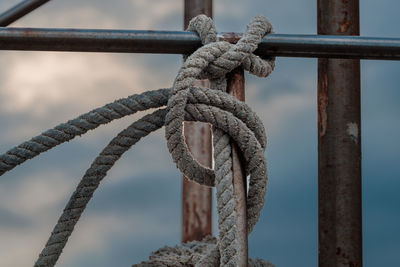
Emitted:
<point x="230" y="119"/>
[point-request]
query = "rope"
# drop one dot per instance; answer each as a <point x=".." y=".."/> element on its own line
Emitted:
<point x="190" y="253"/>
<point x="91" y="180"/>
<point x="67" y="131"/>
<point x="230" y="119"/>
<point x="214" y="60"/>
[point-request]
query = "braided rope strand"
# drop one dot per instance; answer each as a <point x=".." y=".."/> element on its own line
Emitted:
<point x="113" y="152"/>
<point x="67" y="131"/>
<point x="253" y="153"/>
<point x="206" y="59"/>
<point x="248" y="144"/>
<point x="225" y="199"/>
<point x="90" y="182"/>
<point x="153" y="99"/>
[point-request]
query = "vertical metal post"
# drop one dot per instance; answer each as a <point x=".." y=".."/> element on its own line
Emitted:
<point x="339" y="143"/>
<point x="197" y="199"/>
<point x="236" y="87"/>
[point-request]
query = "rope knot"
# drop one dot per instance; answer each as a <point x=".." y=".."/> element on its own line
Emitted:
<point x="211" y="61"/>
<point x="222" y="57"/>
<point x="230" y="118"/>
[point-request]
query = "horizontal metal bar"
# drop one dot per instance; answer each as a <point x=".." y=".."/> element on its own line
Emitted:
<point x="19" y="11"/>
<point x="183" y="42"/>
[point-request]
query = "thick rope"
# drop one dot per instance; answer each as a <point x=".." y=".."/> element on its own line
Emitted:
<point x="230" y="118"/>
<point x="215" y="60"/>
<point x="114" y="151"/>
<point x="190" y="253"/>
<point x="80" y="125"/>
<point x="91" y="180"/>
<point x="227" y="217"/>
<point x="65" y="132"/>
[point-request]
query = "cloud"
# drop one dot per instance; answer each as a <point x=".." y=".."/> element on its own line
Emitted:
<point x="35" y="203"/>
<point x="104" y="14"/>
<point x="32" y="202"/>
<point x="33" y="196"/>
<point x="91" y="235"/>
<point x="47" y="80"/>
<point x="45" y="89"/>
<point x="137" y="208"/>
<point x="20" y="247"/>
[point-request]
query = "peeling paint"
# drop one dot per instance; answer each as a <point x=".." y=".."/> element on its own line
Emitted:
<point x="323" y="106"/>
<point x="352" y="131"/>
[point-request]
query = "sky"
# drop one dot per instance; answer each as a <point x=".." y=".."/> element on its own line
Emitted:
<point x="136" y="210"/>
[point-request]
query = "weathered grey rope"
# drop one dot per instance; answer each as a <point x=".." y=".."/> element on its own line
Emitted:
<point x="215" y="60"/>
<point x="188" y="254"/>
<point x="249" y="146"/>
<point x="119" y="145"/>
<point x="230" y="117"/>
<point x="90" y="182"/>
<point x="80" y="125"/>
<point x="254" y="159"/>
<point x="65" y="132"/>
<point x="227" y="217"/>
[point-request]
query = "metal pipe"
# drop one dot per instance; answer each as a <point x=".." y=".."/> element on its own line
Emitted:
<point x="196" y="198"/>
<point x="183" y="42"/>
<point x="339" y="142"/>
<point x="236" y="87"/>
<point x="19" y="10"/>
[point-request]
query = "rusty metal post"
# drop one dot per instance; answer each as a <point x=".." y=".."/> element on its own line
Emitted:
<point x="339" y="143"/>
<point x="236" y="87"/>
<point x="197" y="199"/>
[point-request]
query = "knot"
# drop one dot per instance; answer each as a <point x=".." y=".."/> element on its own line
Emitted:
<point x="211" y="61"/>
<point x="231" y="119"/>
<point x="204" y="27"/>
<point x="222" y="57"/>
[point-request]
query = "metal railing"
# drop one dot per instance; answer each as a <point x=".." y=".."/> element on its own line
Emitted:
<point x="183" y="42"/>
<point x="20" y="10"/>
<point x="333" y="83"/>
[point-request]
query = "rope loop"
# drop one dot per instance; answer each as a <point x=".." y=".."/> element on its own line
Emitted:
<point x="211" y="61"/>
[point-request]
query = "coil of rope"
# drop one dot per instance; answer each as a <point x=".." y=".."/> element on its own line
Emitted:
<point x="230" y="118"/>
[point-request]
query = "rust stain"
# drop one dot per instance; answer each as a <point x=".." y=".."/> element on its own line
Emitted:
<point x="197" y="222"/>
<point x="235" y="84"/>
<point x="229" y="37"/>
<point x="345" y="24"/>
<point x="202" y="130"/>
<point x="27" y="33"/>
<point x="350" y="263"/>
<point x="323" y="106"/>
<point x="196" y="219"/>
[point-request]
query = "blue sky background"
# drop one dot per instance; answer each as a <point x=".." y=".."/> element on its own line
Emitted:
<point x="137" y="208"/>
